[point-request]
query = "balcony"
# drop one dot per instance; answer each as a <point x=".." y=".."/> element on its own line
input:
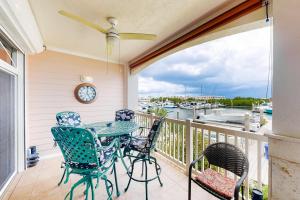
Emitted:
<point x="182" y="141"/>
<point x="179" y="143"/>
<point x="43" y="58"/>
<point x="41" y="183"/>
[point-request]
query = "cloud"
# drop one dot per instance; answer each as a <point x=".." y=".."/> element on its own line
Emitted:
<point x="236" y="65"/>
<point x="158" y="88"/>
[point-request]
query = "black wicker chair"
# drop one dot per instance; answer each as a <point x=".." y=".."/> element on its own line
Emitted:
<point x="228" y="157"/>
<point x="143" y="146"/>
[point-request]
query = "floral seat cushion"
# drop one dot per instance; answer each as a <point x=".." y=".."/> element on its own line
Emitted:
<point x="107" y="155"/>
<point x="124" y="140"/>
<point x="124" y="115"/>
<point x="121" y="115"/>
<point x="103" y="157"/>
<point x="144" y="144"/>
<point x="138" y="143"/>
<point x="68" y="118"/>
<point x="215" y="181"/>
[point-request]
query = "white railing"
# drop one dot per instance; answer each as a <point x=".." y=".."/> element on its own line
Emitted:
<point x="181" y="141"/>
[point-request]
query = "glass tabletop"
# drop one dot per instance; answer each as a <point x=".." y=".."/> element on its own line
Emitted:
<point x="117" y="128"/>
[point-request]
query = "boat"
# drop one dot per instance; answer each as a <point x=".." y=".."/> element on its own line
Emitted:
<point x="192" y="105"/>
<point x="265" y="107"/>
<point x="169" y="104"/>
<point x="269" y="110"/>
<point x="226" y="116"/>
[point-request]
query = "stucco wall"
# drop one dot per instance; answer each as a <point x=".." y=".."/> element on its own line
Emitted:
<point x="284" y="144"/>
<point x="50" y="80"/>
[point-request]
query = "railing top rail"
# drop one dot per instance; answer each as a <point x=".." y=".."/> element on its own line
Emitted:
<point x="215" y="128"/>
<point x="228" y="131"/>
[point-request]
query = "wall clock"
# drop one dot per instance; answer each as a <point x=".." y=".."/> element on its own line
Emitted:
<point x="85" y="93"/>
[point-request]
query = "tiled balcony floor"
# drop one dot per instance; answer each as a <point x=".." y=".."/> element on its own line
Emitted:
<point x="40" y="182"/>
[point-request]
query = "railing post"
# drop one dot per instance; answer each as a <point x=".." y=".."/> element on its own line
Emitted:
<point x="194" y="113"/>
<point x="189" y="144"/>
<point x="152" y="118"/>
<point x="261" y="116"/>
<point x="247" y="122"/>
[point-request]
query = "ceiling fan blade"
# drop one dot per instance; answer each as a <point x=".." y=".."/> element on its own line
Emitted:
<point x="83" y="21"/>
<point x="137" y="36"/>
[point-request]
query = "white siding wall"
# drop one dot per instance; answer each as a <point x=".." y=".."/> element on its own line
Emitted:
<point x="51" y="79"/>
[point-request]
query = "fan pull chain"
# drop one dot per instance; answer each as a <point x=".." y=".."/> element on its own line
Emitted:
<point x="106" y="56"/>
<point x="270" y="69"/>
<point x="119" y="59"/>
<point x="267" y="10"/>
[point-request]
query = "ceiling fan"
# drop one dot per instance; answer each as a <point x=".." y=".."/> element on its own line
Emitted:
<point x="112" y="34"/>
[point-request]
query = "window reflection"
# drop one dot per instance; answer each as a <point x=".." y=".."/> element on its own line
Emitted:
<point x="6" y="52"/>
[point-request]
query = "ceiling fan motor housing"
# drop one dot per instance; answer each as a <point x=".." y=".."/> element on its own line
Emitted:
<point x="112" y="33"/>
<point x="113" y="21"/>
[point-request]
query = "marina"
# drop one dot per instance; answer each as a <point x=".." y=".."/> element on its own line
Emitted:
<point x="241" y="118"/>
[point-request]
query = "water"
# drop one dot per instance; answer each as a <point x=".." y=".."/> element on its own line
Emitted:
<point x="184" y="114"/>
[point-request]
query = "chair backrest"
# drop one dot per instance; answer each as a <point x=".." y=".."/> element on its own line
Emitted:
<point x="68" y="118"/>
<point x="227" y="156"/>
<point x="78" y="146"/>
<point x="124" y="115"/>
<point x="154" y="133"/>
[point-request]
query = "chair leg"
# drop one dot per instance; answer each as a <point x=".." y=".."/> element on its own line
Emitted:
<point x="242" y="192"/>
<point x="74" y="186"/>
<point x="146" y="180"/>
<point x="107" y="189"/>
<point x="87" y="187"/>
<point x="130" y="160"/>
<point x="190" y="189"/>
<point x="62" y="178"/>
<point x="156" y="169"/>
<point x="143" y="163"/>
<point x="92" y="188"/>
<point x="116" y="180"/>
<point x="130" y="174"/>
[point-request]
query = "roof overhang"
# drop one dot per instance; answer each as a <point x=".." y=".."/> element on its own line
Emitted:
<point x="244" y="16"/>
<point x="163" y="18"/>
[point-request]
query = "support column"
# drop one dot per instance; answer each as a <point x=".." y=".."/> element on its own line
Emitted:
<point x="284" y="142"/>
<point x="131" y="89"/>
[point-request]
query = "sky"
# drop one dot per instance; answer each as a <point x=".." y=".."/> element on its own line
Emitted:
<point x="235" y="65"/>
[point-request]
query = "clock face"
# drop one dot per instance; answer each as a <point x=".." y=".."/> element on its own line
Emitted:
<point x="85" y="93"/>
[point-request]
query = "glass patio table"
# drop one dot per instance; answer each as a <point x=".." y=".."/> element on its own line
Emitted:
<point x="115" y="129"/>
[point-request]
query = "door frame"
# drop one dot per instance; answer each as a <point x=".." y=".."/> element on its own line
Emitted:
<point x="18" y="72"/>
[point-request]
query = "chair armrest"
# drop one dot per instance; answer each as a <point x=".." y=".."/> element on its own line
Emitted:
<point x="193" y="164"/>
<point x="239" y="184"/>
<point x="142" y="129"/>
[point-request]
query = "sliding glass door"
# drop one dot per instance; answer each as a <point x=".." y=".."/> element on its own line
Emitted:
<point x="12" y="135"/>
<point x="7" y="126"/>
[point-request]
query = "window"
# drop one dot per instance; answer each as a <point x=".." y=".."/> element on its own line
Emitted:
<point x="7" y="52"/>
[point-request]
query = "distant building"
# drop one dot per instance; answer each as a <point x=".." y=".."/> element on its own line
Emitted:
<point x="210" y="97"/>
<point x="144" y="100"/>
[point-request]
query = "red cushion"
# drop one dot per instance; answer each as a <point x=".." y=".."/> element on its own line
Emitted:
<point x="217" y="182"/>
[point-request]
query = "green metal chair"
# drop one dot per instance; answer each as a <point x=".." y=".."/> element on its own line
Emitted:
<point x="84" y="156"/>
<point x="144" y="146"/>
<point x="67" y="118"/>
